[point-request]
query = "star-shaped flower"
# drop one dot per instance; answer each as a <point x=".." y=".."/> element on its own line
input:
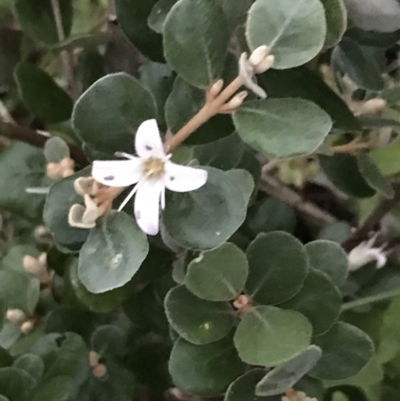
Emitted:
<point x="364" y="253"/>
<point x="152" y="172"/>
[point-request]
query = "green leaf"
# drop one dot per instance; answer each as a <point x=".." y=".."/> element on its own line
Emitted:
<point x="41" y="95"/>
<point x="56" y="389"/>
<point x="243" y="388"/>
<point x="370" y="171"/>
<point x="344" y="173"/>
<point x="5" y="358"/>
<point x="205" y="218"/>
<point x="10" y="54"/>
<point x="362" y="64"/>
<point x="22" y="166"/>
<point x="244" y="180"/>
<point x="270" y="215"/>
<point x="196" y="48"/>
<point x="16" y="384"/>
<point x="224" y="153"/>
<point x="269" y="336"/>
<point x="336" y="20"/>
<point x="387" y="158"/>
<point x="285" y="376"/>
<point x="336" y="232"/>
<point x="55" y="150"/>
<point x="32" y="364"/>
<point x="236" y="12"/>
<point x="272" y="276"/>
<point x="108" y="341"/>
<point x="219" y="274"/>
<point x="303" y="83"/>
<point x="345" y="351"/>
<point x="19" y="290"/>
<point x="204" y="370"/>
<point x="183" y="103"/>
<point x="196" y="320"/>
<point x="158" y="79"/>
<point x="108" y="114"/>
<point x="63" y="355"/>
<point x="132" y="16"/>
<point x="37" y="19"/>
<point x="295" y="33"/>
<point x="318" y="300"/>
<point x="112" y="254"/>
<point x="159" y="14"/>
<point x="295" y="126"/>
<point x="101" y="303"/>
<point x="330" y="258"/>
<point x="61" y="197"/>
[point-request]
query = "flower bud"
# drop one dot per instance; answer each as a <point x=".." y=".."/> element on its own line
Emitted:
<point x="100" y="371"/>
<point x="216" y="88"/>
<point x="259" y="55"/>
<point x="94" y="359"/>
<point x="67" y="163"/>
<point x="31" y="264"/>
<point x="27" y="327"/>
<point x="54" y="171"/>
<point x="266" y="64"/>
<point x="15" y="316"/>
<point x="373" y="106"/>
<point x="237" y="100"/>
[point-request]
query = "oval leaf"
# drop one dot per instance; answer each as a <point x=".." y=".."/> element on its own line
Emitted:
<point x="204" y="370"/>
<point x="345" y="351"/>
<point x="318" y="300"/>
<point x="112" y="254"/>
<point x="282" y="128"/>
<point x="196" y="320"/>
<point x="219" y="274"/>
<point x="285" y="376"/>
<point x="207" y="217"/>
<point x="32" y="364"/>
<point x="295" y="31"/>
<point x="196" y="47"/>
<point x="108" y="114"/>
<point x="41" y="95"/>
<point x="278" y="266"/>
<point x="336" y="20"/>
<point x="374" y="177"/>
<point x="269" y="336"/>
<point x="243" y="388"/>
<point x="330" y="258"/>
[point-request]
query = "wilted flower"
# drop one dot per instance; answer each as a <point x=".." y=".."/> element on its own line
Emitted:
<point x="364" y="253"/>
<point x="298" y="396"/>
<point x="152" y="172"/>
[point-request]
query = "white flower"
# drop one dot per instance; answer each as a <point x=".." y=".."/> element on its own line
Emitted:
<point x="152" y="172"/>
<point x="365" y="253"/>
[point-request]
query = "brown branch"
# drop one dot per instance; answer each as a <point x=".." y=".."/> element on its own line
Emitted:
<point x="65" y="54"/>
<point x="372" y="220"/>
<point x="312" y="212"/>
<point x="28" y="135"/>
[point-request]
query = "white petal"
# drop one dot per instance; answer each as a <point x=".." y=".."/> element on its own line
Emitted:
<point x="379" y="256"/>
<point x="117" y="173"/>
<point x="147" y="205"/>
<point x="182" y="178"/>
<point x="148" y="140"/>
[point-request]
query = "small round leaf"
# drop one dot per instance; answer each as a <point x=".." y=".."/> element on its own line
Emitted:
<point x="205" y="370"/>
<point x="219" y="274"/>
<point x="318" y="300"/>
<point x="295" y="31"/>
<point x="196" y="320"/>
<point x="196" y="47"/>
<point x="112" y="254"/>
<point x="278" y="266"/>
<point x="282" y="128"/>
<point x="32" y="364"/>
<point x="269" y="336"/>
<point x="345" y="351"/>
<point x="108" y="114"/>
<point x="330" y="258"/>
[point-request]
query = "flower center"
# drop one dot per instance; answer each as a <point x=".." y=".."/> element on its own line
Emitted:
<point x="153" y="167"/>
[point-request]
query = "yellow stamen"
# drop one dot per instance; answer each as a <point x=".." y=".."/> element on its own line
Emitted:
<point x="153" y="167"/>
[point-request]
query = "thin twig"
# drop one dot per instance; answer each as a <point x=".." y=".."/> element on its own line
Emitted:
<point x="314" y="214"/>
<point x="65" y="54"/>
<point x="28" y="135"/>
<point x="372" y="220"/>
